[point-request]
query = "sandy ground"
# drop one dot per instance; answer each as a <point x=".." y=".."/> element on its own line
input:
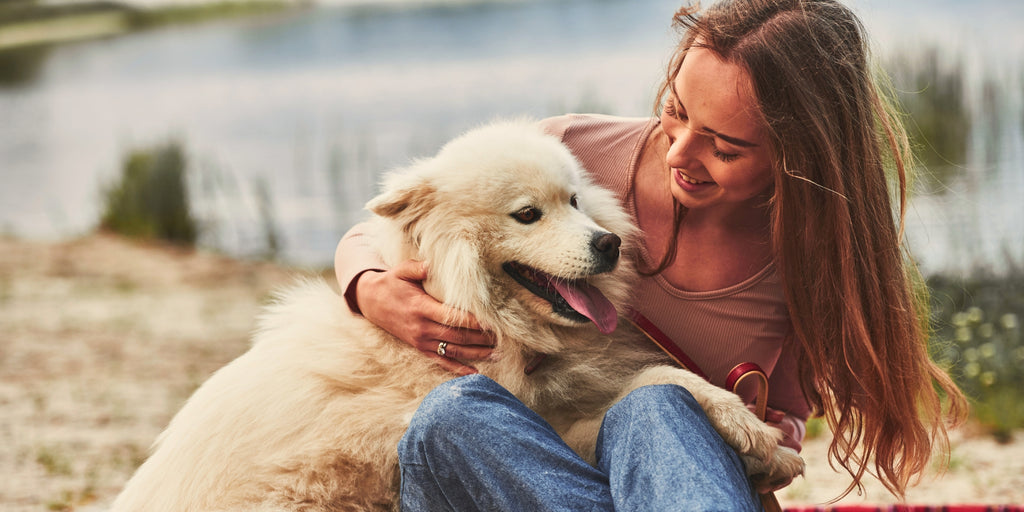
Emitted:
<point x="101" y="341"/>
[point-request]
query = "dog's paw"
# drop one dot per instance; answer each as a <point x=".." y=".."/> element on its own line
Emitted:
<point x="741" y="429"/>
<point x="784" y="466"/>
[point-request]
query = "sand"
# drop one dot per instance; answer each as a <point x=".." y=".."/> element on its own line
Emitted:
<point x="102" y="340"/>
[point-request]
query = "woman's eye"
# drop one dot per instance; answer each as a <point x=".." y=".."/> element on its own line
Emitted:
<point x="670" y="110"/>
<point x="574" y="202"/>
<point x="527" y="215"/>
<point x="725" y="157"/>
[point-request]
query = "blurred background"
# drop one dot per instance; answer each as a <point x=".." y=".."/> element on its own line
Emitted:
<point x="286" y="116"/>
<point x="258" y="129"/>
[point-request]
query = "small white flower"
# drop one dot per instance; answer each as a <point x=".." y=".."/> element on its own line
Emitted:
<point x="987" y="350"/>
<point x="1009" y="321"/>
<point x="960" y="319"/>
<point x="975" y="315"/>
<point x="972" y="369"/>
<point x="971" y="354"/>
<point x="963" y="334"/>
<point x="986" y="330"/>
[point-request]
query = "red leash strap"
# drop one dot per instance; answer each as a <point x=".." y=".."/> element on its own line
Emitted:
<point x="743" y="372"/>
<point x="661" y="340"/>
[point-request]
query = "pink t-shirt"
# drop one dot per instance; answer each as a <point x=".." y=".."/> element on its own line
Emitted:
<point x="719" y="329"/>
<point x="746" y="322"/>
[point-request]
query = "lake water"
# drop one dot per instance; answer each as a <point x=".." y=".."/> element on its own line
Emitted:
<point x="310" y="107"/>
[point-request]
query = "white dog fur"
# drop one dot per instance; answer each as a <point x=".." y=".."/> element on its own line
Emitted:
<point x="310" y="417"/>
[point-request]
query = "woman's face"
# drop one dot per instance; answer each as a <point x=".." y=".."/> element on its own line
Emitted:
<point x="718" y="154"/>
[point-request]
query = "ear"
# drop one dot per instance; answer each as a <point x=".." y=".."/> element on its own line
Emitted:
<point x="406" y="198"/>
<point x="457" y="275"/>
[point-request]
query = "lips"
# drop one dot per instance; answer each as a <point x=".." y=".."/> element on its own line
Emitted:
<point x="689" y="179"/>
<point x="690" y="184"/>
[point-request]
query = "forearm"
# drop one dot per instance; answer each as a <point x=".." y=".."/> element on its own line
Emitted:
<point x="354" y="256"/>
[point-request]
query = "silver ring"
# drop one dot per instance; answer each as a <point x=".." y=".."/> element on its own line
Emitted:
<point x="442" y="348"/>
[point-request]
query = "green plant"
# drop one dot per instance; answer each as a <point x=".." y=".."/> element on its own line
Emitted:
<point x="815" y="428"/>
<point x="931" y="91"/>
<point x="70" y="499"/>
<point x="151" y="199"/>
<point x="977" y="336"/>
<point x="140" y="19"/>
<point x="55" y="461"/>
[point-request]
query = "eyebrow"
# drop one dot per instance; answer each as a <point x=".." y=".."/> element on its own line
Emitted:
<point x="728" y="138"/>
<point x="731" y="140"/>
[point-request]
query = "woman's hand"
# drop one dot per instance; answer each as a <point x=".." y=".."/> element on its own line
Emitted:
<point x="395" y="301"/>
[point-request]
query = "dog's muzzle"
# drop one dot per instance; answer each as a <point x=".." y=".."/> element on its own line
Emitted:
<point x="575" y="299"/>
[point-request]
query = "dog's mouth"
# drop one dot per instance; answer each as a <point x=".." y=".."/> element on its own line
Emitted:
<point x="574" y="299"/>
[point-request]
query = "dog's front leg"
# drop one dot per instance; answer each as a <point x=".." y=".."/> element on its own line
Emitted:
<point x="754" y="440"/>
<point x="582" y="437"/>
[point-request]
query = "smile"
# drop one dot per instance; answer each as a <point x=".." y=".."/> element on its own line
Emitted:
<point x="689" y="179"/>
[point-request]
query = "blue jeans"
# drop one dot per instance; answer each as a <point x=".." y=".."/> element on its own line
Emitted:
<point x="473" y="446"/>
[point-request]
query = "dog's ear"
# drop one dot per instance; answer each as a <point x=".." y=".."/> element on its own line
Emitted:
<point x="405" y="200"/>
<point x="457" y="273"/>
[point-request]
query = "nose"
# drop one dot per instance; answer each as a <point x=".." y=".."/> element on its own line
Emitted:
<point x="606" y="248"/>
<point x="682" y="151"/>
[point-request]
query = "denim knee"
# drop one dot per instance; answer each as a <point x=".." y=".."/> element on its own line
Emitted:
<point x="447" y="410"/>
<point x="658" y="442"/>
<point x="472" y="445"/>
<point x="659" y="408"/>
<point x="648" y="400"/>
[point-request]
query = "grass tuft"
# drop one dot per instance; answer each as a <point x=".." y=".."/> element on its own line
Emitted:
<point x="151" y="199"/>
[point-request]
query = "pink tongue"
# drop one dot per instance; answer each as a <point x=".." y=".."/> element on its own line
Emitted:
<point x="590" y="302"/>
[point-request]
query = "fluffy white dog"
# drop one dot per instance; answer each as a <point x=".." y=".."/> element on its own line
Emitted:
<point x="310" y="417"/>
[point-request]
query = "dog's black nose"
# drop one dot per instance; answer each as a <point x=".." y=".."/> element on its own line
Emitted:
<point x="606" y="248"/>
<point x="606" y="243"/>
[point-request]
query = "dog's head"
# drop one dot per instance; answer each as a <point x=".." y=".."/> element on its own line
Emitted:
<point x="514" y="231"/>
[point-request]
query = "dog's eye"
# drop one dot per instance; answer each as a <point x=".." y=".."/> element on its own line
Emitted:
<point x="573" y="202"/>
<point x="527" y="215"/>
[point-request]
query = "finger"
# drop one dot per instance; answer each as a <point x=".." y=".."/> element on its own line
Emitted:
<point x="765" y="487"/>
<point x="452" y="365"/>
<point x="466" y="337"/>
<point x="449" y="316"/>
<point x="416" y="271"/>
<point x="467" y="352"/>
<point x="461" y="319"/>
<point x="411" y="270"/>
<point x="769" y="488"/>
<point x="774" y="416"/>
<point x="460" y="326"/>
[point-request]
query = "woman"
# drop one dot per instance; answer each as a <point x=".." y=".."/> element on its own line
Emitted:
<point x="763" y="196"/>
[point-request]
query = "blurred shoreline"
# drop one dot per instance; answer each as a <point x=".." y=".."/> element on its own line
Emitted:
<point x="25" y="23"/>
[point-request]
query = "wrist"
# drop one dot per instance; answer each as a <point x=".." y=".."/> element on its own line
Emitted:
<point x="355" y="294"/>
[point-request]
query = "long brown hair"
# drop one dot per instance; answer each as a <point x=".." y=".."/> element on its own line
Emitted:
<point x="860" y="326"/>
